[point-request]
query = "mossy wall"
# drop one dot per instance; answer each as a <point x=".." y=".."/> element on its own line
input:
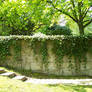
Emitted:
<point x="60" y="55"/>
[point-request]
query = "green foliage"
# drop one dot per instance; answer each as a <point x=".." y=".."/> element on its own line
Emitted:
<point x="22" y="17"/>
<point x="16" y="18"/>
<point x="76" y="47"/>
<point x="17" y="49"/>
<point x="78" y="10"/>
<point x="58" y="50"/>
<point x="55" y="30"/>
<point x="40" y="48"/>
<point x="5" y="49"/>
<point x="44" y="53"/>
<point x="58" y="30"/>
<point x="74" y="27"/>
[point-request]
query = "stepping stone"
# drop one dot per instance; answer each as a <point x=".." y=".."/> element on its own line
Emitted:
<point x="2" y="71"/>
<point x="8" y="74"/>
<point x="23" y="78"/>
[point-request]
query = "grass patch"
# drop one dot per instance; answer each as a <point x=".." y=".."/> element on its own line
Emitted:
<point x="10" y="85"/>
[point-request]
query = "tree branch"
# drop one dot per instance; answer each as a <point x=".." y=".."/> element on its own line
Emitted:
<point x="88" y="23"/>
<point x="74" y="11"/>
<point x="85" y="12"/>
<point x="61" y="11"/>
<point x="80" y="11"/>
<point x="39" y="26"/>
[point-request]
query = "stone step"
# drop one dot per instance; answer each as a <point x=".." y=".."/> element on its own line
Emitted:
<point x="8" y="74"/>
<point x="2" y="71"/>
<point x="23" y="78"/>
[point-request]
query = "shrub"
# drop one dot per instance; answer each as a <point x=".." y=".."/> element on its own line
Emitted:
<point x="58" y="30"/>
<point x="15" y="18"/>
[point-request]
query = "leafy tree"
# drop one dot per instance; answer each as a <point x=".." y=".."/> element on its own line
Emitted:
<point x="80" y="11"/>
<point x="15" y="17"/>
<point x="74" y="27"/>
<point x="23" y="17"/>
<point x="42" y="14"/>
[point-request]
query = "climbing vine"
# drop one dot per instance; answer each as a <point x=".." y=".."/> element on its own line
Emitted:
<point x="72" y="47"/>
<point x="44" y="53"/>
<point x="17" y="50"/>
<point x="39" y="47"/>
<point x="5" y="49"/>
<point x="57" y="49"/>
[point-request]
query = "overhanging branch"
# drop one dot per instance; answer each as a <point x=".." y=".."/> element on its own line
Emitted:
<point x="74" y="11"/>
<point x="39" y="26"/>
<point x="61" y="11"/>
<point x="89" y="22"/>
<point x="85" y="12"/>
<point x="86" y="21"/>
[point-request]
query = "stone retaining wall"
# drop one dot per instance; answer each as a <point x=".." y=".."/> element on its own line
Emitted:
<point x="31" y="61"/>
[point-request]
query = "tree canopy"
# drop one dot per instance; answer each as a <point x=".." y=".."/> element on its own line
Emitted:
<point x="24" y="17"/>
<point x="79" y="11"/>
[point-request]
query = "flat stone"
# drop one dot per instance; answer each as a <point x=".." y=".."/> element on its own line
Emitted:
<point x="23" y="78"/>
<point x="8" y="74"/>
<point x="2" y="71"/>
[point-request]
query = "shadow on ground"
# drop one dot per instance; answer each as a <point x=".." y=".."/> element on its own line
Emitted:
<point x="31" y="74"/>
<point x="74" y="88"/>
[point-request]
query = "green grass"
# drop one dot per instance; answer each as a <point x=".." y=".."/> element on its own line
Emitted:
<point x="10" y="85"/>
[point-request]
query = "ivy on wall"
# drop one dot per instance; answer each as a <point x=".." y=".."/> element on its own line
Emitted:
<point x="44" y="53"/>
<point x="71" y="46"/>
<point x="17" y="50"/>
<point x="39" y="47"/>
<point x="5" y="49"/>
<point x="75" y="48"/>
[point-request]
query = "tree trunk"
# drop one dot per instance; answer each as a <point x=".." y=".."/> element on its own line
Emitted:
<point x="81" y="29"/>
